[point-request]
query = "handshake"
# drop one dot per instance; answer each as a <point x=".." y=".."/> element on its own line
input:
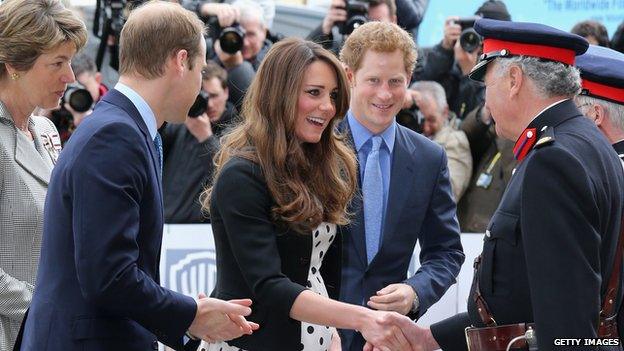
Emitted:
<point x="218" y="320"/>
<point x="399" y="333"/>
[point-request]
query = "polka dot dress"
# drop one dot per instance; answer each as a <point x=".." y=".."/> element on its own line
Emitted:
<point x="313" y="337"/>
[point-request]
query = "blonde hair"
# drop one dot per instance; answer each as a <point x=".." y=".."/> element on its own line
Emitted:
<point x="29" y="28"/>
<point x="380" y="37"/>
<point x="155" y="32"/>
<point x="309" y="182"/>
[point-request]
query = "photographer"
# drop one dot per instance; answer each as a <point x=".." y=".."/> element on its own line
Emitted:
<point x="83" y="94"/>
<point x="448" y="63"/>
<point x="406" y="13"/>
<point x="226" y="13"/>
<point x="189" y="149"/>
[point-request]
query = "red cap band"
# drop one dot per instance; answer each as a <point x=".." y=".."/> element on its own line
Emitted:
<point x="542" y="51"/>
<point x="605" y="91"/>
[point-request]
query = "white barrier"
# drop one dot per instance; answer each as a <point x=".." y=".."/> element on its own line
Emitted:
<point x="188" y="266"/>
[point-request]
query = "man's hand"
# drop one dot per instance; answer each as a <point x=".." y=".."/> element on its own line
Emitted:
<point x="383" y="335"/>
<point x="229" y="60"/>
<point x="200" y="127"/>
<point x="466" y="60"/>
<point x="226" y="13"/>
<point x="394" y="297"/>
<point x="217" y="320"/>
<point x="412" y="98"/>
<point x="451" y="32"/>
<point x="335" y="344"/>
<point x="337" y="13"/>
<point x="419" y="339"/>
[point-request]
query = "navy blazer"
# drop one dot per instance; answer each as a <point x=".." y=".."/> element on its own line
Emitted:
<point x="97" y="285"/>
<point x="420" y="208"/>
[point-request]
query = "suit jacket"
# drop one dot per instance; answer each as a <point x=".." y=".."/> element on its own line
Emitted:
<point x="97" y="285"/>
<point x="259" y="259"/>
<point x="25" y="168"/>
<point x="420" y="208"/>
<point x="549" y="249"/>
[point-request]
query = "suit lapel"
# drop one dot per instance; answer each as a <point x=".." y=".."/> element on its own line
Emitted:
<point x="27" y="156"/>
<point x="401" y="181"/>
<point x="356" y="227"/>
<point x="25" y="153"/>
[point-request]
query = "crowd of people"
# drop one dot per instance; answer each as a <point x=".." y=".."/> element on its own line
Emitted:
<point x="320" y="164"/>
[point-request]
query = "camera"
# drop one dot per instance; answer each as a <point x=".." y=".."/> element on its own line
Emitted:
<point x="411" y="118"/>
<point x="200" y="105"/>
<point x="78" y="97"/>
<point x="357" y="15"/>
<point x="469" y="39"/>
<point x="231" y="39"/>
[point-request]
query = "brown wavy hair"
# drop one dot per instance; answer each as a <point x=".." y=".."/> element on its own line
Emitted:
<point x="309" y="182"/>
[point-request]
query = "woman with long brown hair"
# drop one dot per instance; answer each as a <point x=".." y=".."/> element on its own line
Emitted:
<point x="283" y="182"/>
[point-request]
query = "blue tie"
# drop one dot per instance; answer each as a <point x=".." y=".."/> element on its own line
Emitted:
<point x="372" y="187"/>
<point x="159" y="149"/>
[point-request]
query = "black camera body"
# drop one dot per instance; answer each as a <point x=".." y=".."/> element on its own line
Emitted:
<point x="357" y="15"/>
<point x="411" y="118"/>
<point x="231" y="39"/>
<point x="78" y="97"/>
<point x="200" y="105"/>
<point x="469" y="39"/>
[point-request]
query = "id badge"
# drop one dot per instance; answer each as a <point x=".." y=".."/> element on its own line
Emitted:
<point x="484" y="180"/>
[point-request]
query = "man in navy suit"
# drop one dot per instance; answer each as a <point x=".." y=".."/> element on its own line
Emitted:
<point x="97" y="285"/>
<point x="405" y="190"/>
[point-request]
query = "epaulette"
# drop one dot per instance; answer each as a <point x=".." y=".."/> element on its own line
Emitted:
<point x="547" y="137"/>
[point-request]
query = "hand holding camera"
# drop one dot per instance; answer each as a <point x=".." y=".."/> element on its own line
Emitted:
<point x="225" y="13"/>
<point x="337" y="13"/>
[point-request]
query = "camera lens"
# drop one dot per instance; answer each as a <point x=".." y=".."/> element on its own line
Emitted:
<point x="199" y="106"/>
<point x="79" y="99"/>
<point x="469" y="40"/>
<point x="353" y="23"/>
<point x="231" y="39"/>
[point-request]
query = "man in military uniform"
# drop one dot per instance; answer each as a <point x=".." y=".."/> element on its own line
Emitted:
<point x="550" y="247"/>
<point x="602" y="98"/>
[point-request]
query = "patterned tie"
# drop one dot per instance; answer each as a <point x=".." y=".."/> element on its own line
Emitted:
<point x="372" y="187"/>
<point x="158" y="145"/>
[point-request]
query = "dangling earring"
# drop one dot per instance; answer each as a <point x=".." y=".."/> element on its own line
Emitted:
<point x="14" y="76"/>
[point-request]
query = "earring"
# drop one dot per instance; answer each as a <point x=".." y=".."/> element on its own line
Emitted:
<point x="14" y="76"/>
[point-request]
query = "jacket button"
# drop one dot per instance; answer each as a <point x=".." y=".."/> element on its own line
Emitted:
<point x="155" y="345"/>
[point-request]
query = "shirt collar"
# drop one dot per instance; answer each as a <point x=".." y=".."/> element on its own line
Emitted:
<point x="144" y="110"/>
<point x="361" y="134"/>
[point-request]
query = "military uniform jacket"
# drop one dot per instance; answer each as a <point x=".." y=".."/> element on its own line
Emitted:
<point x="549" y="248"/>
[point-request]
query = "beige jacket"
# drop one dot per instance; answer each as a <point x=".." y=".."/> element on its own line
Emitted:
<point x="25" y="168"/>
<point x="457" y="150"/>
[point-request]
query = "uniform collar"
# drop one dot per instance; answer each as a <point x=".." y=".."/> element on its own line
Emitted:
<point x="619" y="148"/>
<point x="542" y="125"/>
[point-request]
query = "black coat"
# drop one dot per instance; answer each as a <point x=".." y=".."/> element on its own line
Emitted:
<point x="550" y="246"/>
<point x="260" y="260"/>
